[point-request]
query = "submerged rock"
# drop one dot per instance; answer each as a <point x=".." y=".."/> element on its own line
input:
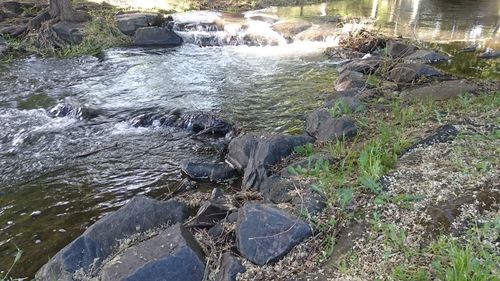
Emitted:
<point x="230" y="266"/>
<point x="215" y="172"/>
<point x="91" y="248"/>
<point x="321" y="125"/>
<point x="425" y="56"/>
<point x="441" y="91"/>
<point x="396" y="49"/>
<point x="156" y="36"/>
<point x="410" y="72"/>
<point x="204" y="122"/>
<point x="173" y="254"/>
<point x="265" y="234"/>
<point x="129" y="23"/>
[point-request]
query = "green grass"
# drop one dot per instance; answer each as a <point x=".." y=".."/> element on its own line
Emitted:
<point x="5" y="277"/>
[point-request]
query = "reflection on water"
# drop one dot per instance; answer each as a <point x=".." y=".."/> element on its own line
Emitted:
<point x="429" y="20"/>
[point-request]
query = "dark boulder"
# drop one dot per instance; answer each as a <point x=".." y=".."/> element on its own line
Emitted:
<point x="410" y="72"/>
<point x="99" y="240"/>
<point x="129" y="23"/>
<point x="210" y="213"/>
<point x="345" y="105"/>
<point x="489" y="54"/>
<point x="269" y="151"/>
<point x="443" y="134"/>
<point x="229" y="268"/>
<point x="214" y="172"/>
<point x="350" y="80"/>
<point x="70" y="32"/>
<point x="156" y="36"/>
<point x="321" y="125"/>
<point x="333" y="52"/>
<point x="365" y="66"/>
<point x="396" y="49"/>
<point x="441" y="91"/>
<point x="425" y="56"/>
<point x="12" y="7"/>
<point x="173" y="254"/>
<point x="265" y="234"/>
<point x="240" y="149"/>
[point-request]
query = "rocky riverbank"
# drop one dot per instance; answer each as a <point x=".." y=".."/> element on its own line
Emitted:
<point x="399" y="165"/>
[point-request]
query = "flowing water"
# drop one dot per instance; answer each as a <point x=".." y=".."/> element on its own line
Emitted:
<point x="60" y="174"/>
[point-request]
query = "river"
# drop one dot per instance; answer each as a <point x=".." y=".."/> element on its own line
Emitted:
<point x="60" y="174"/>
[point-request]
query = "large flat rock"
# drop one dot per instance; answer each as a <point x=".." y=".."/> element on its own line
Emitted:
<point x="441" y="91"/>
<point x="156" y="36"/>
<point x="99" y="240"/>
<point x="173" y="254"/>
<point x="265" y="233"/>
<point x="129" y="23"/>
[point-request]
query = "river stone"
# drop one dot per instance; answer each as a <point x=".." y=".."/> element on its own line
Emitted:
<point x="443" y="134"/>
<point x="209" y="213"/>
<point x="269" y="151"/>
<point x="240" y="149"/>
<point x="70" y="32"/>
<point x="350" y="80"/>
<point x="265" y="233"/>
<point x="441" y="91"/>
<point x="425" y="56"/>
<point x="173" y="254"/>
<point x="321" y="125"/>
<point x="229" y="268"/>
<point x="345" y="105"/>
<point x="365" y="66"/>
<point x="129" y="23"/>
<point x="396" y="49"/>
<point x="289" y="29"/>
<point x="99" y="240"/>
<point x="318" y="33"/>
<point x="489" y="54"/>
<point x="410" y="72"/>
<point x="214" y="172"/>
<point x="156" y="36"/>
<point x="206" y="122"/>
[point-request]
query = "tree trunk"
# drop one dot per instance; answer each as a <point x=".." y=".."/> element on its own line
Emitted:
<point x="63" y="10"/>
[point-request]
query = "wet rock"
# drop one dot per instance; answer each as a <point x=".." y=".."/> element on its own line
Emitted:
<point x="396" y="49"/>
<point x="443" y="134"/>
<point x="307" y="163"/>
<point x="289" y="29"/>
<point x="344" y="105"/>
<point x="489" y="54"/>
<point x="156" y="36"/>
<point x="321" y="125"/>
<point x="99" y="240"/>
<point x="70" y="32"/>
<point x="318" y="33"/>
<point x="63" y="110"/>
<point x="263" y="17"/>
<point x="441" y="91"/>
<point x="154" y="119"/>
<point x="269" y="151"/>
<point x="260" y="34"/>
<point x="230" y="266"/>
<point x="410" y="72"/>
<point x="350" y="80"/>
<point x="173" y="254"/>
<point x="129" y="23"/>
<point x="365" y="66"/>
<point x="204" y="123"/>
<point x="265" y="234"/>
<point x="214" y="172"/>
<point x="333" y="52"/>
<point x="425" y="56"/>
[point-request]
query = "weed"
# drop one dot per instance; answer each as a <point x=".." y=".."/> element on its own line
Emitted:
<point x="18" y="256"/>
<point x="305" y="150"/>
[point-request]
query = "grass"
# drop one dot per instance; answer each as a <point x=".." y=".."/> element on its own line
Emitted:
<point x="5" y="277"/>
